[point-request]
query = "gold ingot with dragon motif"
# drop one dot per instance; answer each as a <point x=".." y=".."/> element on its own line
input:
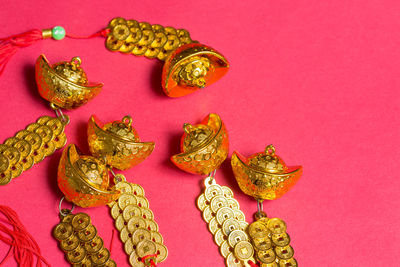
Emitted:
<point x="84" y="180"/>
<point x="264" y="175"/>
<point x="117" y="143"/>
<point x="204" y="146"/>
<point x="64" y="84"/>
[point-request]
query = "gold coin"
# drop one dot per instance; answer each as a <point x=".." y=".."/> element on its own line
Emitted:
<point x="225" y="249"/>
<point x="147" y="214"/>
<point x="223" y="214"/>
<point x="213" y="225"/>
<point x="217" y="203"/>
<point x="76" y="255"/>
<point x="42" y="130"/>
<point x="134" y="260"/>
<point x="87" y="234"/>
<point x="288" y="263"/>
<point x="4" y="163"/>
<point x="243" y="225"/>
<point x="80" y="221"/>
<point x="125" y="200"/>
<point x="124" y="234"/>
<point x="68" y="218"/>
<point x="264" y="220"/>
<point x="236" y="236"/>
<point x="32" y="138"/>
<point x="42" y="120"/>
<point x="115" y="211"/>
<point x="156" y="237"/>
<point x="213" y="191"/>
<point x="140" y="235"/>
<point x="162" y="252"/>
<point x="146" y="247"/>
<point x="227" y="192"/>
<point x="136" y="222"/>
<point x="151" y="225"/>
<point x="130" y="211"/>
<point x="124" y="187"/>
<point x="262" y="243"/>
<point x="276" y="226"/>
<point x="239" y="215"/>
<point x="70" y="244"/>
<point x="95" y="245"/>
<point x="16" y="170"/>
<point x="266" y="256"/>
<point x="257" y="229"/>
<point x="60" y="141"/>
<point x="230" y="225"/>
<point x="284" y="252"/>
<point x="120" y="222"/>
<point x="86" y="262"/>
<point x="232" y="203"/>
<point x="11" y="153"/>
<point x="232" y="261"/>
<point x="62" y="231"/>
<point x="128" y="246"/>
<point x="207" y="214"/>
<point x="5" y="177"/>
<point x="110" y="263"/>
<point x="219" y="237"/>
<point x="23" y="146"/>
<point x="201" y="202"/>
<point x="274" y="264"/>
<point x="281" y="240"/>
<point x="137" y="190"/>
<point x="101" y="257"/>
<point x="55" y="124"/>
<point x="142" y="202"/>
<point x="243" y="250"/>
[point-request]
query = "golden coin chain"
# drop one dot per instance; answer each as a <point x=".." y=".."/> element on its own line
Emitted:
<point x="227" y="223"/>
<point x="135" y="222"/>
<point x="144" y="39"/>
<point x="271" y="243"/>
<point x="79" y="240"/>
<point x="31" y="146"/>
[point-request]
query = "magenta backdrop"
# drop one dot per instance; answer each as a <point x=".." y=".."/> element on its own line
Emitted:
<point x="318" y="79"/>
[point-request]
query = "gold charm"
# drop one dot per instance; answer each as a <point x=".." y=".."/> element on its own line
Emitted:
<point x="135" y="222"/>
<point x="30" y="146"/>
<point x="271" y="242"/>
<point x="189" y="65"/>
<point x="227" y="223"/>
<point x="80" y="242"/>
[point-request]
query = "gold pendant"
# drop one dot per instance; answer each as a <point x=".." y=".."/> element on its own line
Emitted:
<point x="30" y="146"/>
<point x="135" y="222"/>
<point x="226" y="222"/>
<point x="79" y="240"/>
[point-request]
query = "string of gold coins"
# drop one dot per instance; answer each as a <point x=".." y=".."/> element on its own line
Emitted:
<point x="144" y="39"/>
<point x="135" y="221"/>
<point x="227" y="223"/>
<point x="79" y="240"/>
<point x="271" y="242"/>
<point x="31" y="146"/>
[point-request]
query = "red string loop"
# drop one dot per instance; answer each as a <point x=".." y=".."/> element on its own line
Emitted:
<point x="152" y="263"/>
<point x="252" y="264"/>
<point x="22" y="245"/>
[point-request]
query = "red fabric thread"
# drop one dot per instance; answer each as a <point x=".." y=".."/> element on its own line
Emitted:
<point x="152" y="263"/>
<point x="22" y="245"/>
<point x="252" y="264"/>
<point x="102" y="33"/>
<point x="112" y="240"/>
<point x="10" y="45"/>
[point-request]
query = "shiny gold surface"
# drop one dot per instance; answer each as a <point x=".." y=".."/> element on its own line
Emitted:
<point x="271" y="242"/>
<point x="228" y="230"/>
<point x="84" y="180"/>
<point x="117" y="143"/>
<point x="143" y="39"/>
<point x="79" y="240"/>
<point x="204" y="147"/>
<point x="65" y="83"/>
<point x="264" y="175"/>
<point x="138" y="230"/>
<point x="30" y="146"/>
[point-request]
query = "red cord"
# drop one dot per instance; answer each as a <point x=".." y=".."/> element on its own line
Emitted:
<point x="252" y="264"/>
<point x="102" y="33"/>
<point x="112" y="240"/>
<point x="152" y="263"/>
<point x="22" y="245"/>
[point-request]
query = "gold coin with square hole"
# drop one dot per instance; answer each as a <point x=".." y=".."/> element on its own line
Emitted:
<point x="101" y="257"/>
<point x="257" y="230"/>
<point x="288" y="263"/>
<point x="134" y="260"/>
<point x="128" y="246"/>
<point x="232" y="261"/>
<point x="130" y="211"/>
<point x="139" y="235"/>
<point x="124" y="234"/>
<point x="162" y="252"/>
<point x="230" y="225"/>
<point x="142" y="202"/>
<point x="76" y="255"/>
<point x="219" y="237"/>
<point x="280" y="240"/>
<point x="156" y="237"/>
<point x="217" y="203"/>
<point x="227" y="192"/>
<point x="125" y="200"/>
<point x="120" y="222"/>
<point x="70" y="243"/>
<point x="239" y="215"/>
<point x="243" y="250"/>
<point x="80" y="221"/>
<point x="62" y="231"/>
<point x="276" y="226"/>
<point x="225" y="249"/>
<point x="146" y="247"/>
<point x="213" y="225"/>
<point x="236" y="236"/>
<point x="94" y="245"/>
<point x="207" y="214"/>
<point x="87" y="234"/>
<point x="137" y="190"/>
<point x="262" y="243"/>
<point x="285" y="252"/>
<point x="213" y="191"/>
<point x="136" y="222"/>
<point x="115" y="211"/>
<point x="201" y="202"/>
<point x="147" y="214"/>
<point x="151" y="225"/>
<point x="266" y="256"/>
<point x="224" y="214"/>
<point x="232" y="203"/>
<point x="124" y="187"/>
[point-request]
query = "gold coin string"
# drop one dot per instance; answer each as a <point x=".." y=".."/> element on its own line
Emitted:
<point x="189" y="66"/>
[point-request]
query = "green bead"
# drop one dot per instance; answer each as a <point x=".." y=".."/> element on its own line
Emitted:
<point x="58" y="33"/>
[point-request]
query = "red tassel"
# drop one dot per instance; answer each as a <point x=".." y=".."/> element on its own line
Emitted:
<point x="22" y="245"/>
<point x="252" y="264"/>
<point x="10" y="45"/>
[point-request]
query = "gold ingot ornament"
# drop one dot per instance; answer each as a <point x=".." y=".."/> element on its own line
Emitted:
<point x="204" y="146"/>
<point x="264" y="175"/>
<point x="189" y="65"/>
<point x="117" y="142"/>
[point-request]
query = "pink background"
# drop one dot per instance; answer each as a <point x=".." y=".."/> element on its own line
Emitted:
<point x="318" y="79"/>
